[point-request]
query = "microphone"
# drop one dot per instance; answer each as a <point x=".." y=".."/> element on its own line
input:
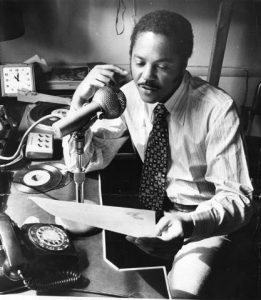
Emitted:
<point x="109" y="101"/>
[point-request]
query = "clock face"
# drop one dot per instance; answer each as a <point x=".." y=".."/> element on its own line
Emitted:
<point x="16" y="77"/>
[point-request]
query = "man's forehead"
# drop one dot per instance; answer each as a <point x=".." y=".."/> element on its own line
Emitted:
<point x="153" y="44"/>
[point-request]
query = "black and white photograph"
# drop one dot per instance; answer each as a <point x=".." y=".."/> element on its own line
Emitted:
<point x="130" y="149"/>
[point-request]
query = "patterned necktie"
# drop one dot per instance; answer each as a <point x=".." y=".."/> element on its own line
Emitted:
<point x="153" y="177"/>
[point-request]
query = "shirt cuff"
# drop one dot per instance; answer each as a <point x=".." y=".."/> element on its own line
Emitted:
<point x="204" y="223"/>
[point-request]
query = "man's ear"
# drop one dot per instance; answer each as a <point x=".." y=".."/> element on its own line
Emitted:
<point x="130" y="69"/>
<point x="184" y="65"/>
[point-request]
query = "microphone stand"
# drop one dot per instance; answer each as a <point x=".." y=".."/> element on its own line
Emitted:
<point x="79" y="174"/>
<point x="79" y="142"/>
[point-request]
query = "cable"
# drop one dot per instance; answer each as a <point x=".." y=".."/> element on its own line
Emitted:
<point x="18" y="155"/>
<point x="25" y="135"/>
<point x="120" y="3"/>
<point x="57" y="279"/>
<point x="17" y="159"/>
<point x="134" y="15"/>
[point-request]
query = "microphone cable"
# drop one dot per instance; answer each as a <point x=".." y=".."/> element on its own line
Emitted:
<point x="18" y="155"/>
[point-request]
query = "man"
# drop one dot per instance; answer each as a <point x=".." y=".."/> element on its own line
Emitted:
<point x="207" y="181"/>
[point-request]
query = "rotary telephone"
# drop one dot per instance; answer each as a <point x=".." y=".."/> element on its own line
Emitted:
<point x="36" y="256"/>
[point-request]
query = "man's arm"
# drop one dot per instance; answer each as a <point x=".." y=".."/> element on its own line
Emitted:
<point x="227" y="169"/>
<point x="98" y="77"/>
<point x="228" y="210"/>
<point x="105" y="137"/>
<point x="102" y="142"/>
<point x="231" y="206"/>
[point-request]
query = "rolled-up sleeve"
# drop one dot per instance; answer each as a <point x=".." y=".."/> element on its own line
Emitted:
<point x="102" y="141"/>
<point x="231" y="206"/>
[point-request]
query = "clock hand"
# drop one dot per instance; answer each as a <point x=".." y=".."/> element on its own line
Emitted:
<point x="17" y="77"/>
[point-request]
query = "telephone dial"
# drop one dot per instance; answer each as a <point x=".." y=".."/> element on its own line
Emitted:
<point x="36" y="256"/>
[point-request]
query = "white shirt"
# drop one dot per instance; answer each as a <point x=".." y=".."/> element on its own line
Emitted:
<point x="207" y="163"/>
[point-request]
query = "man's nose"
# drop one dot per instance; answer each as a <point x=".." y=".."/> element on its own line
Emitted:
<point x="148" y="72"/>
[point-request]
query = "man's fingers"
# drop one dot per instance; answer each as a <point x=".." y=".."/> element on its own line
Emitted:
<point x="100" y="80"/>
<point x="116" y="69"/>
<point x="149" y="242"/>
<point x="156" y="246"/>
<point x="165" y="251"/>
<point x="131" y="239"/>
<point x="143" y="243"/>
<point x="161" y="226"/>
<point x="105" y="75"/>
<point x="110" y="68"/>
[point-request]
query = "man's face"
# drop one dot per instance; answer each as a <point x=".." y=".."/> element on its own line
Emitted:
<point x="155" y="66"/>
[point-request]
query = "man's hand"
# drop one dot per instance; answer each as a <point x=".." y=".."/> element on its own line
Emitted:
<point x="98" y="77"/>
<point x="170" y="232"/>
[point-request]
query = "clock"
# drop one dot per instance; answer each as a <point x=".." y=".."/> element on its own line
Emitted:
<point x="15" y="77"/>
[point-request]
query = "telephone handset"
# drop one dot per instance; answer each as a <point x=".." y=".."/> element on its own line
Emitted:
<point x="38" y="256"/>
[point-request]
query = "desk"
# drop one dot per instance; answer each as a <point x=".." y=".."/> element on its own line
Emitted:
<point x="104" y="279"/>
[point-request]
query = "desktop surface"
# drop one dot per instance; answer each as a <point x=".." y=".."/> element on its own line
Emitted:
<point x="104" y="278"/>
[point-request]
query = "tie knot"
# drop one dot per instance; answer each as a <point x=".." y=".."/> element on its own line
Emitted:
<point x="160" y="112"/>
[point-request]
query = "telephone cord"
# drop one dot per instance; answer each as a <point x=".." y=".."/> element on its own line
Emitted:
<point x="61" y="278"/>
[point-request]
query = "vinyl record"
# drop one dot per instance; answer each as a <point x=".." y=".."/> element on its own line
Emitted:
<point x="67" y="176"/>
<point x="43" y="109"/>
<point x="36" y="179"/>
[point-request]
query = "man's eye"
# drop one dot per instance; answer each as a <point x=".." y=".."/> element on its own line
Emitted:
<point x="139" y="63"/>
<point x="163" y="67"/>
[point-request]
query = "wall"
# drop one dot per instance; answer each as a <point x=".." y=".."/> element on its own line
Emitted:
<point x="78" y="31"/>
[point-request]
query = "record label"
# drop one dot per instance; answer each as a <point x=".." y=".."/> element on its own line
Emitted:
<point x="39" y="178"/>
<point x="36" y="178"/>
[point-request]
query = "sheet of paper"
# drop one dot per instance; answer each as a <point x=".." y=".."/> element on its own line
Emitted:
<point x="129" y="221"/>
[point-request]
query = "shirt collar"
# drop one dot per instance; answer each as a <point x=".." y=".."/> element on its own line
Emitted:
<point x="177" y="103"/>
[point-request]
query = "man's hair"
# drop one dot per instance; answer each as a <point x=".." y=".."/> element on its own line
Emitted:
<point x="170" y="24"/>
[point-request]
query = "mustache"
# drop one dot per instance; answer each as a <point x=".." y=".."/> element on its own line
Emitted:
<point x="149" y="83"/>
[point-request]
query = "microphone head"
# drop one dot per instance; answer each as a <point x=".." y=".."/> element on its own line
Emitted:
<point x="111" y="100"/>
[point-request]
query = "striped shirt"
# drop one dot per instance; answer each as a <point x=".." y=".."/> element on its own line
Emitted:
<point x="207" y="163"/>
